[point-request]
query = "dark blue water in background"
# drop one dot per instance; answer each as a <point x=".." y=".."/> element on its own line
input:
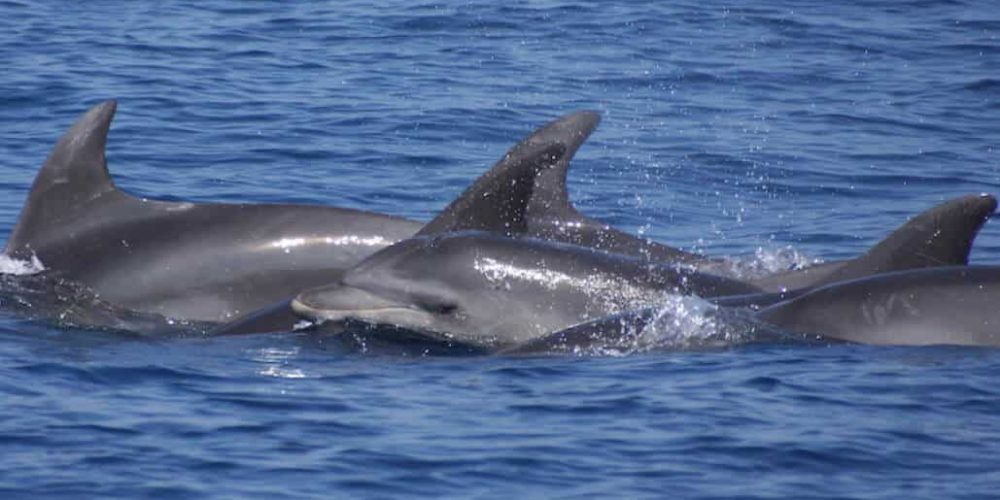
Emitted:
<point x="776" y="128"/>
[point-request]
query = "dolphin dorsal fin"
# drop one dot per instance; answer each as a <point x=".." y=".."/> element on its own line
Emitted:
<point x="75" y="173"/>
<point x="550" y="199"/>
<point x="529" y="179"/>
<point x="497" y="202"/>
<point x="941" y="236"/>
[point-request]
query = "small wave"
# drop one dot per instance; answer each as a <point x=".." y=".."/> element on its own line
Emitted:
<point x="9" y="265"/>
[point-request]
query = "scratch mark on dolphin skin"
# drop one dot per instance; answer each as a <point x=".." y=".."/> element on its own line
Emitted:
<point x="879" y="312"/>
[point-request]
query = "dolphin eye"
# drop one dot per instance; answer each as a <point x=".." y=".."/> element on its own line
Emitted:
<point x="442" y="308"/>
<point x="445" y="308"/>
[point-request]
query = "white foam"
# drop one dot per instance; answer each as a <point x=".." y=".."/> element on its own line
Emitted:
<point x="9" y="265"/>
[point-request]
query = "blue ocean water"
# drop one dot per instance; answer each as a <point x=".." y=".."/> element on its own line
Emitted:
<point x="780" y="127"/>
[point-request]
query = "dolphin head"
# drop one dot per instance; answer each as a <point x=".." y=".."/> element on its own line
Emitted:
<point x="426" y="284"/>
<point x="472" y="288"/>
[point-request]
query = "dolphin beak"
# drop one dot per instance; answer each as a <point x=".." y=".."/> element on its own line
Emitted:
<point x="340" y="302"/>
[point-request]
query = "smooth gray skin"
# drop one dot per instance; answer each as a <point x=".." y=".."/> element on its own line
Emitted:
<point x="213" y="262"/>
<point x="945" y="305"/>
<point x="489" y="291"/>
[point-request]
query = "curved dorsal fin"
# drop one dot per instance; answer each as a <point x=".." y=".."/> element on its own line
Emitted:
<point x="534" y="169"/>
<point x="497" y="202"/>
<point x="941" y="236"/>
<point x="550" y="198"/>
<point x="75" y="172"/>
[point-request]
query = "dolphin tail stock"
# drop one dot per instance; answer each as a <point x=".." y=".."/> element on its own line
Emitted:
<point x="74" y="174"/>
<point x="534" y="169"/>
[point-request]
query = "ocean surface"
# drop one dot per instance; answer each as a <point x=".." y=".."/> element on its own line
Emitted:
<point x="774" y="132"/>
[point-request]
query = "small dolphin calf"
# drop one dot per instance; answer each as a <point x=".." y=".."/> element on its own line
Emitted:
<point x="945" y="305"/>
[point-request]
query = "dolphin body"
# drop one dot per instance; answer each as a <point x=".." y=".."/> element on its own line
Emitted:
<point x="489" y="291"/>
<point x="954" y="305"/>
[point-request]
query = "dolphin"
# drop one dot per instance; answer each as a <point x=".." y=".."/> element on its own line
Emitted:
<point x="212" y="262"/>
<point x="955" y="305"/>
<point x="485" y="290"/>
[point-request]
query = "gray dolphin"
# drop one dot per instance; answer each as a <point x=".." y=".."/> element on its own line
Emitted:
<point x="489" y="291"/>
<point x="954" y="305"/>
<point x="211" y="262"/>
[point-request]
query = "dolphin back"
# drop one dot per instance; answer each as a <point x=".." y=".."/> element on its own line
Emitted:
<point x="940" y="236"/>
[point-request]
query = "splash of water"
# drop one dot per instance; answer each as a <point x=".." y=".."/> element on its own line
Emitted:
<point x="677" y="322"/>
<point x="766" y="261"/>
<point x="10" y="265"/>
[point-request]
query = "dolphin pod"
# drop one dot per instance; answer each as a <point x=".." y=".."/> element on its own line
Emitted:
<point x="490" y="292"/>
<point x="508" y="263"/>
<point x="211" y="262"/>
